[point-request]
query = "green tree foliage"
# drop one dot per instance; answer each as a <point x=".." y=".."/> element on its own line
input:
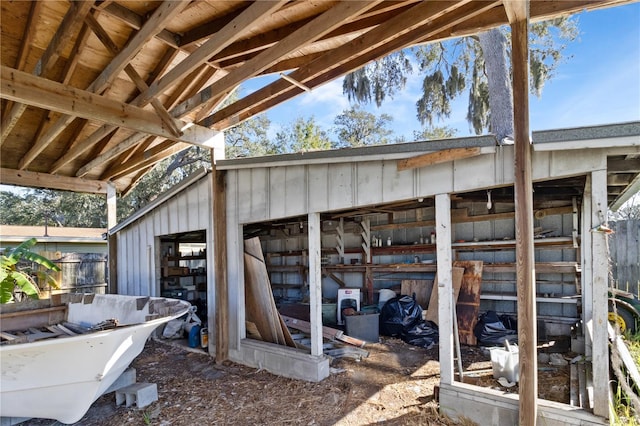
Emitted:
<point x="434" y="133"/>
<point x="303" y="135"/>
<point x="451" y="67"/>
<point x="357" y="127"/>
<point x="249" y="139"/>
<point x="34" y="207"/>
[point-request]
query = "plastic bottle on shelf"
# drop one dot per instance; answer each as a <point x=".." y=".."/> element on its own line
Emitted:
<point x="388" y="241"/>
<point x="433" y="237"/>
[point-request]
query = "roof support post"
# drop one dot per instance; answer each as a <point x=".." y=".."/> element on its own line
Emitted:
<point x="220" y="264"/>
<point x="315" y="284"/>
<point x="445" y="287"/>
<point x="518" y="13"/>
<point x="599" y="306"/>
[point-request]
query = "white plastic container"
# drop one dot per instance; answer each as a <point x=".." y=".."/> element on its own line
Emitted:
<point x="385" y="294"/>
<point x="505" y="364"/>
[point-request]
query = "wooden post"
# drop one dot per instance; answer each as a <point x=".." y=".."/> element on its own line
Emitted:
<point x="315" y="284"/>
<point x="112" y="240"/>
<point x="112" y="219"/>
<point x="600" y="271"/>
<point x="445" y="287"/>
<point x="518" y="13"/>
<point x="220" y="265"/>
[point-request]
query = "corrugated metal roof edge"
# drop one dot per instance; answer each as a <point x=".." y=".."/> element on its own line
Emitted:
<point x="165" y="196"/>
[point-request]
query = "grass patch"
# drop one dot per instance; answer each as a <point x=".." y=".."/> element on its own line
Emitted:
<point x="624" y="413"/>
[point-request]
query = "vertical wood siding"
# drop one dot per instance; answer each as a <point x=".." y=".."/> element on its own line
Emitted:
<point x="138" y="252"/>
<point x="624" y="246"/>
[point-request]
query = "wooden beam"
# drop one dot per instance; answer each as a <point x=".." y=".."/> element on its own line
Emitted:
<point x="44" y="180"/>
<point x="69" y="26"/>
<point x="405" y="27"/>
<point x="220" y="265"/>
<point x="22" y="87"/>
<point x="144" y="159"/>
<point x="437" y="157"/>
<point x="111" y="46"/>
<point x="599" y="296"/>
<point x="444" y="278"/>
<point x="234" y="30"/>
<point x="518" y="12"/>
<point x="163" y="14"/>
<point x="315" y="283"/>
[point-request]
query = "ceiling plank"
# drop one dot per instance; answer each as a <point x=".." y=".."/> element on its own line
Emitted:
<point x="45" y="180"/>
<point x="234" y="30"/>
<point x="22" y="87"/>
<point x="21" y="60"/>
<point x="42" y="141"/>
<point x="101" y="83"/>
<point x="132" y="73"/>
<point x="70" y="25"/>
<point x="437" y="157"/>
<point x="395" y="28"/>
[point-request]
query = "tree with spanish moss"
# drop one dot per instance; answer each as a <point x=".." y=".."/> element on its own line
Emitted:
<point x="476" y="64"/>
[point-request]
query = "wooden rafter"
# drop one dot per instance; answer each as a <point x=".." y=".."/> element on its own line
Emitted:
<point x="36" y="91"/>
<point x="235" y="29"/>
<point x="44" y="180"/>
<point x="133" y="74"/>
<point x="100" y="84"/>
<point x="197" y="79"/>
<point x="96" y="136"/>
<point x="354" y="53"/>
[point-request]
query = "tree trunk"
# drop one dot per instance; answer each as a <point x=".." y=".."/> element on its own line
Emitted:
<point x="494" y="49"/>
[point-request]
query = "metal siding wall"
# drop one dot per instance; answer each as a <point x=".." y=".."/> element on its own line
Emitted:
<point x="369" y="182"/>
<point x="278" y="191"/>
<point x="317" y="178"/>
<point x="339" y="186"/>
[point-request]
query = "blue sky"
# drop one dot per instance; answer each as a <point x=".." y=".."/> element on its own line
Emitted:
<point x="599" y="84"/>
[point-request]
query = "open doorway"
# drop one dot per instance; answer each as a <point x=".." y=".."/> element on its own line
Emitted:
<point x="183" y="269"/>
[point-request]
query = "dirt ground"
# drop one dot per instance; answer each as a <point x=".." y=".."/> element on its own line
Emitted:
<point x="394" y="385"/>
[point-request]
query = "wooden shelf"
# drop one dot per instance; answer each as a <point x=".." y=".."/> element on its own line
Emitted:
<point x="541" y="267"/>
<point x="543" y="299"/>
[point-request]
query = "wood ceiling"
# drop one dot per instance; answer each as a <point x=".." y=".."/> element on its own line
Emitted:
<point x="96" y="92"/>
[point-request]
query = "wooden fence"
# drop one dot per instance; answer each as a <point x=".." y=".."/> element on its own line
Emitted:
<point x="624" y="247"/>
<point x="80" y="272"/>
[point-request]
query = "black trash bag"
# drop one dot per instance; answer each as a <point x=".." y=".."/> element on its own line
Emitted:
<point x="399" y="314"/>
<point x="490" y="331"/>
<point x="423" y="334"/>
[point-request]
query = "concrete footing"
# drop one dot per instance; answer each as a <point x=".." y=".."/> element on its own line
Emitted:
<point x="128" y="377"/>
<point x="489" y="407"/>
<point x="283" y="361"/>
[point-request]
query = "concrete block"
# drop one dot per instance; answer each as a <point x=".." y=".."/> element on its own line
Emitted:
<point x="128" y="377"/>
<point x="140" y="394"/>
<point x="10" y="421"/>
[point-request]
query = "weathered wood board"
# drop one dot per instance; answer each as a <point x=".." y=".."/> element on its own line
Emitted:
<point x="421" y="288"/>
<point x="260" y="306"/>
<point x="468" y="304"/>
<point x="432" y="312"/>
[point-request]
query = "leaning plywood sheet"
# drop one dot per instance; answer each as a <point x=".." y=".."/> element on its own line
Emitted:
<point x="261" y="308"/>
<point x="432" y="312"/>
<point x="468" y="305"/>
<point x="421" y="288"/>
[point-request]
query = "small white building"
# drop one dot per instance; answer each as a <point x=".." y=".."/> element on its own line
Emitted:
<point x="461" y="189"/>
